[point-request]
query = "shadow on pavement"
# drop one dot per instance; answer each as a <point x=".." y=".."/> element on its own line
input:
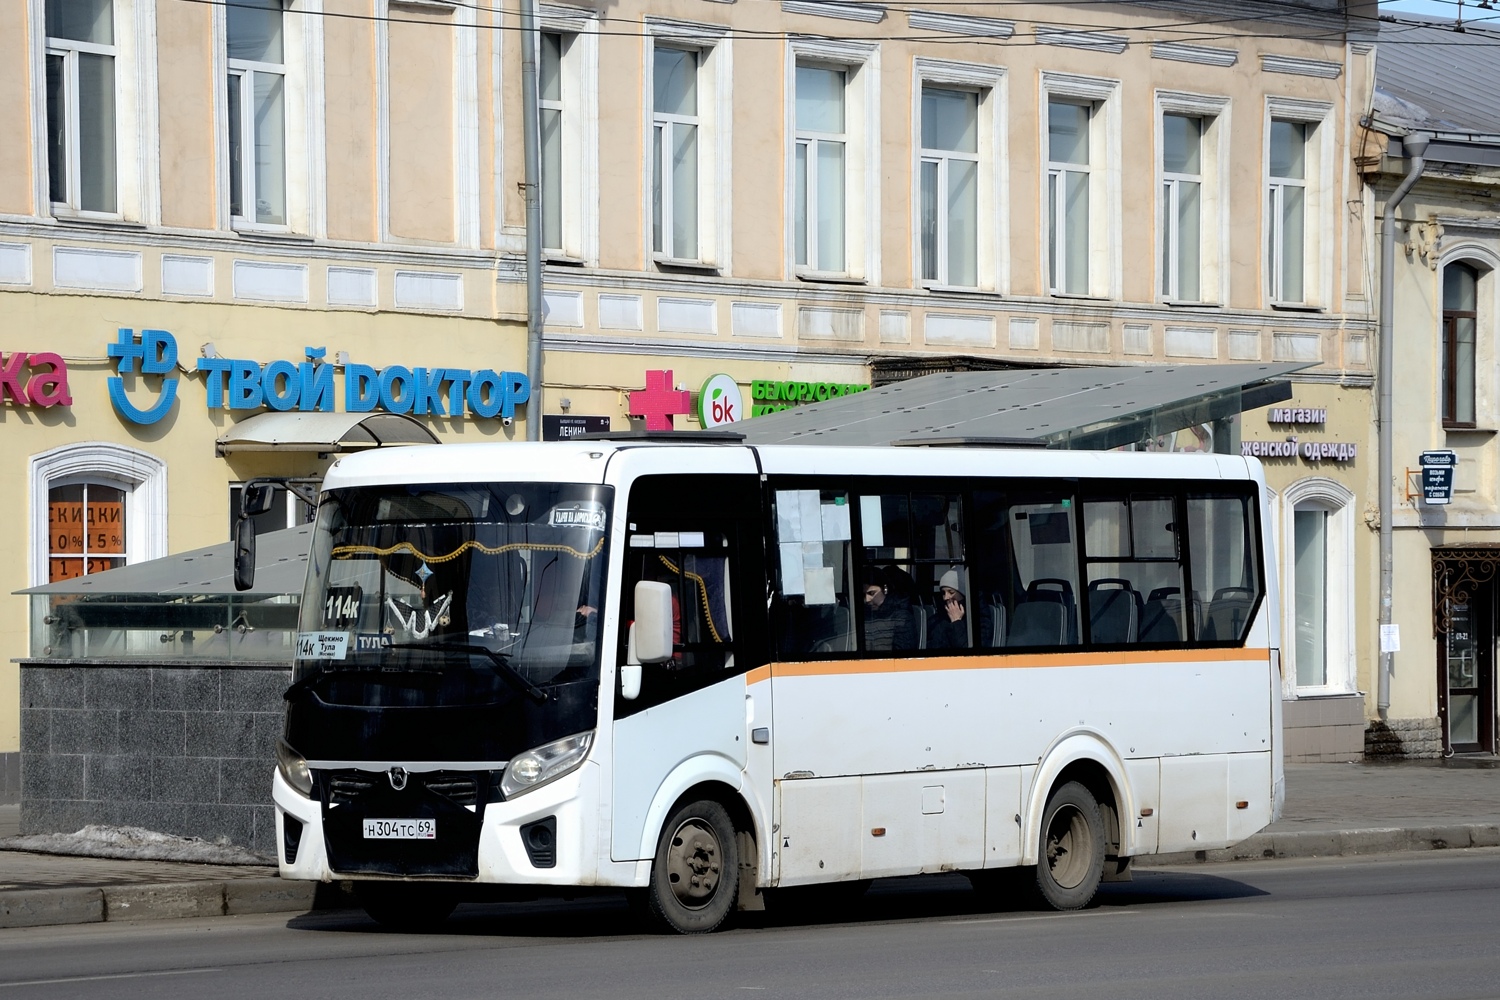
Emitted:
<point x="916" y="898"/>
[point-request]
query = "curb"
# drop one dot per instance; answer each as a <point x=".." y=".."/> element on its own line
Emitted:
<point x="1338" y="843"/>
<point x="235" y="897"/>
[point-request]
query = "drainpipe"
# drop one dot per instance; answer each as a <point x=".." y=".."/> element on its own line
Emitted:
<point x="531" y="145"/>
<point x="1414" y="146"/>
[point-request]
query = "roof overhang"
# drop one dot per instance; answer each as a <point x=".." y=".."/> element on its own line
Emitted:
<point x="323" y="433"/>
<point x="1075" y="408"/>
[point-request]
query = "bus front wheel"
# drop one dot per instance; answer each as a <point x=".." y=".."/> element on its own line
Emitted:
<point x="695" y="876"/>
<point x="1071" y="853"/>
<point x="406" y="906"/>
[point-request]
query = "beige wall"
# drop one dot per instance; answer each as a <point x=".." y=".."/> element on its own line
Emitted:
<point x="15" y="112"/>
<point x="349" y="97"/>
<point x="421" y="125"/>
<point x="188" y="143"/>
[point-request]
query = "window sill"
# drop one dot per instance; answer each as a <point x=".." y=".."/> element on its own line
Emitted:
<point x="1297" y="307"/>
<point x="1447" y="429"/>
<point x="563" y="260"/>
<point x="820" y="278"/>
<point x="68" y="217"/>
<point x="279" y="234"/>
<point x="959" y="290"/>
<point x="1184" y="304"/>
<point x="1079" y="297"/>
<point x="685" y="266"/>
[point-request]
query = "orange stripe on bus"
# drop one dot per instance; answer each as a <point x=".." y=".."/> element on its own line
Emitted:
<point x="1015" y="661"/>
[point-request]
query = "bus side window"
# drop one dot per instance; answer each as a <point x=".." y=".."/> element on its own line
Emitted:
<point x="1134" y="592"/>
<point x="813" y="595"/>
<point x="1223" y="564"/>
<point x="1044" y="602"/>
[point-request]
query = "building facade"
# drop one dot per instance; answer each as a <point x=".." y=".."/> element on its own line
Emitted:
<point x="212" y="212"/>
<point x="1445" y="382"/>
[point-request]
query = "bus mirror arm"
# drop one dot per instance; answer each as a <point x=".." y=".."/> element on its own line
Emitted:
<point x="652" y="631"/>
<point x="630" y="670"/>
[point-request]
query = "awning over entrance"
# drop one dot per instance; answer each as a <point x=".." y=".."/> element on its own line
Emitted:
<point x="324" y="433"/>
<point x="1080" y="408"/>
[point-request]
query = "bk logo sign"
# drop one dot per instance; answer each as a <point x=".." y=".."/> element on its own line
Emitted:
<point x="720" y="402"/>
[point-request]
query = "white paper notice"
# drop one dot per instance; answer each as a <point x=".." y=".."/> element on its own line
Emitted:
<point x="666" y="540"/>
<point x="820" y="586"/>
<point x="870" y="522"/>
<point x="812" y="518"/>
<point x="788" y="516"/>
<point x="1390" y="638"/>
<point x="836" y="522"/>
<point x="791" y="569"/>
<point x="690" y="539"/>
<point x="812" y="555"/>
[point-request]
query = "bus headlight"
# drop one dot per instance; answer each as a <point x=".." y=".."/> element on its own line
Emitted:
<point x="539" y="766"/>
<point x="293" y="768"/>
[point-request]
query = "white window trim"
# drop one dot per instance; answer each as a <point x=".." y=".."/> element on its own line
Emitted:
<point x="580" y="110"/>
<point x="137" y="129"/>
<point x="142" y="476"/>
<point x="465" y="152"/>
<point x="1106" y="256"/>
<point x="993" y="263"/>
<point x="861" y="63"/>
<point x="1338" y="499"/>
<point x="1319" y="223"/>
<point x="1484" y="258"/>
<point x="1213" y="281"/>
<point x="715" y="123"/>
<point x="306" y="141"/>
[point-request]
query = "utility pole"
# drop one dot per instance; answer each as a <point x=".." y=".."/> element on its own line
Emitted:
<point x="531" y="131"/>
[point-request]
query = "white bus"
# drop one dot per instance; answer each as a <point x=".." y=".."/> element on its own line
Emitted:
<point x="700" y="670"/>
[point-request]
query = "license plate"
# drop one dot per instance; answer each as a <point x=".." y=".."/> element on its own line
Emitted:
<point x="400" y="829"/>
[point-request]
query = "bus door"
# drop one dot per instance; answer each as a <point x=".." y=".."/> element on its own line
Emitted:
<point x="698" y="535"/>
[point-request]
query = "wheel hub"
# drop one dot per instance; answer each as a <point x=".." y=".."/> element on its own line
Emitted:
<point x="694" y="864"/>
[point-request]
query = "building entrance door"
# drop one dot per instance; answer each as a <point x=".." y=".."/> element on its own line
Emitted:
<point x="1468" y="606"/>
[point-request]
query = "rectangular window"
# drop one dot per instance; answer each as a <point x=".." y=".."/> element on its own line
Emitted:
<point x="1310" y="569"/>
<point x="820" y="168"/>
<point x="550" y="102"/>
<point x="256" y="104"/>
<point x="814" y="580"/>
<point x="674" y="153"/>
<point x="1286" y="210"/>
<point x="80" y="81"/>
<point x="1135" y="580"/>
<point x="86" y="528"/>
<point x="950" y="187"/>
<point x="1225" y="582"/>
<point x="1460" y="316"/>
<point x="1181" y="207"/>
<point x="1068" y="170"/>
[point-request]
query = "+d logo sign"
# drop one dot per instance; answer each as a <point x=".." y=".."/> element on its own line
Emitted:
<point x="157" y="353"/>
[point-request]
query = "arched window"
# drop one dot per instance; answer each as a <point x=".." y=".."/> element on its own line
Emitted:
<point x="95" y="506"/>
<point x="1460" y="318"/>
<point x="1318" y="586"/>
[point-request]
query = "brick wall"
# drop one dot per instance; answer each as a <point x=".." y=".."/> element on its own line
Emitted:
<point x="179" y="749"/>
<point x="1323" y="730"/>
<point x="1404" y="739"/>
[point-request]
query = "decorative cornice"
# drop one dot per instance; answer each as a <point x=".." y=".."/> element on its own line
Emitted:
<point x="1204" y="55"/>
<point x="960" y="24"/>
<point x="845" y="9"/>
<point x="1094" y="41"/>
<point x="1300" y="67"/>
<point x="633" y="343"/>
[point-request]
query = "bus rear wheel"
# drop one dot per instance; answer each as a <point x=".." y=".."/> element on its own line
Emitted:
<point x="695" y="877"/>
<point x="1070" y="859"/>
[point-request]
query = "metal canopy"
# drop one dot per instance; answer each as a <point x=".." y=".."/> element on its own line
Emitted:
<point x="324" y="433"/>
<point x="1079" y="408"/>
<point x="280" y="568"/>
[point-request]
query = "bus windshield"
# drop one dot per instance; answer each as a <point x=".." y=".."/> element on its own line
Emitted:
<point x="432" y="596"/>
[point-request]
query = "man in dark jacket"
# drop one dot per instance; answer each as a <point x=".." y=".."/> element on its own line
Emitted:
<point x="888" y="623"/>
<point x="947" y="628"/>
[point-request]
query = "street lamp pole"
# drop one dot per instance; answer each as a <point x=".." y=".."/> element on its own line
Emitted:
<point x="531" y="150"/>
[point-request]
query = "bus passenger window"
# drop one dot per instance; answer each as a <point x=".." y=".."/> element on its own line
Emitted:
<point x="1134" y="574"/>
<point x="813" y="600"/>
<point x="1042" y="602"/>
<point x="1223" y="564"/>
<point x="912" y="569"/>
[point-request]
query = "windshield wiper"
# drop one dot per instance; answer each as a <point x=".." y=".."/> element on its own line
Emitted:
<point x="501" y="665"/>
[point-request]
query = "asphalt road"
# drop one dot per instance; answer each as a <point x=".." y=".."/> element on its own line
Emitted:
<point x="1399" y="926"/>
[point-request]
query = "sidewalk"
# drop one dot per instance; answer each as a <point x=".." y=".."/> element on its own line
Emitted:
<point x="1331" y="809"/>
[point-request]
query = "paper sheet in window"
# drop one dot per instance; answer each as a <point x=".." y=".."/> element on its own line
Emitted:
<point x="791" y="569"/>
<point x="819" y="585"/>
<point x="836" y="522"/>
<point x="812" y="555"/>
<point x="788" y="516"/>
<point x="812" y="517"/>
<point x="871" y="523"/>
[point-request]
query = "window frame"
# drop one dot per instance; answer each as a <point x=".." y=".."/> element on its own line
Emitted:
<point x="579" y="105"/>
<point x="1106" y="279"/>
<point x="1318" y="223"/>
<point x="142" y="476"/>
<point x="1337" y="500"/>
<point x="69" y="50"/>
<point x="1447" y="356"/>
<point x="713" y="47"/>
<point x="992" y="252"/>
<point x="1214" y="195"/>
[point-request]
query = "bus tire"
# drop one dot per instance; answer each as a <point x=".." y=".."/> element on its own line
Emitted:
<point x="406" y="906"/>
<point x="695" y="876"/>
<point x="1070" y="854"/>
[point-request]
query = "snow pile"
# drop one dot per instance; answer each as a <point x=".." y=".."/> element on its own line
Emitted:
<point x="131" y="843"/>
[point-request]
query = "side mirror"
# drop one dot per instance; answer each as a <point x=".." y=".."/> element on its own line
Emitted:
<point x="255" y="498"/>
<point x="630" y="671"/>
<point x="653" y="622"/>
<point x="244" y="554"/>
